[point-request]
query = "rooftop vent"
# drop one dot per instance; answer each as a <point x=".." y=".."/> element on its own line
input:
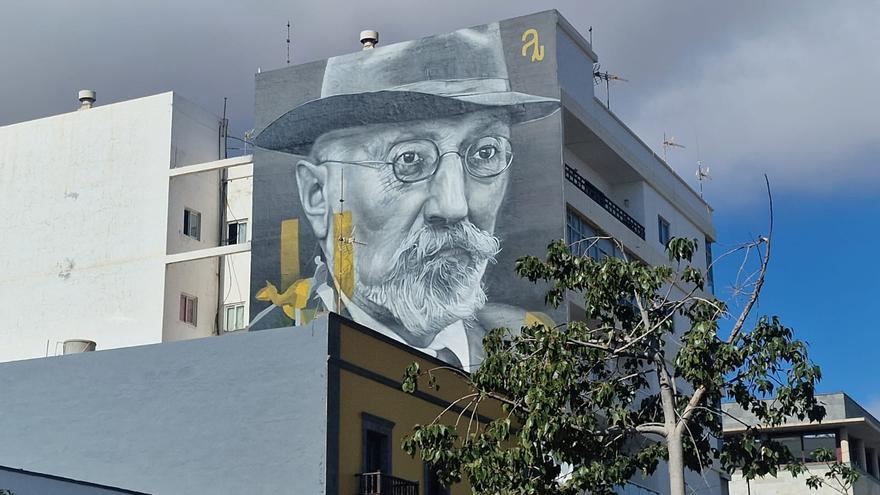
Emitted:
<point x="369" y="39"/>
<point x="75" y="346"/>
<point x="86" y="98"/>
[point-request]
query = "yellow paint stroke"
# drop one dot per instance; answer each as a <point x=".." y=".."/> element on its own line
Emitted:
<point x="343" y="253"/>
<point x="533" y="317"/>
<point x="307" y="315"/>
<point x="289" y="252"/>
<point x="295" y="297"/>
<point x="533" y="43"/>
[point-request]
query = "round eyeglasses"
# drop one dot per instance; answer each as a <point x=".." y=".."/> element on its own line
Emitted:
<point x="416" y="160"/>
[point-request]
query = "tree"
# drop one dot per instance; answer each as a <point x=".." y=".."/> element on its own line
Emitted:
<point x="590" y="403"/>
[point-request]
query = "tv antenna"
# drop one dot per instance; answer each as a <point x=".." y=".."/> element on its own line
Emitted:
<point x="702" y="172"/>
<point x="288" y="42"/>
<point x="702" y="175"/>
<point x="591" y="36"/>
<point x="670" y="143"/>
<point x="599" y="76"/>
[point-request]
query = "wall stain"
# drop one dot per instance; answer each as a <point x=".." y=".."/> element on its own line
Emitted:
<point x="65" y="267"/>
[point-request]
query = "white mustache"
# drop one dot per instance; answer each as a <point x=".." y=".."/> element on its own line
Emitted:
<point x="426" y="292"/>
<point x="427" y="241"/>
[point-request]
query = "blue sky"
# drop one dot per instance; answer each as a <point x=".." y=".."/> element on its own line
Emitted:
<point x="750" y="87"/>
<point x="823" y="281"/>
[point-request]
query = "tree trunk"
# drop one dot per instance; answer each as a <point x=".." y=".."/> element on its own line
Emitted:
<point x="675" y="464"/>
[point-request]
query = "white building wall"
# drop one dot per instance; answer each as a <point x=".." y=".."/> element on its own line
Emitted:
<point x="85" y="196"/>
<point x="237" y="267"/>
<point x="784" y="484"/>
<point x="195" y="139"/>
<point x="195" y="279"/>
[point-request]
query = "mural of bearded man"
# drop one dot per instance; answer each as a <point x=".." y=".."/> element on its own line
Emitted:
<point x="401" y="168"/>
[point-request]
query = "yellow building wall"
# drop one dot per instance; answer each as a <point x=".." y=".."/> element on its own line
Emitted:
<point x="359" y="394"/>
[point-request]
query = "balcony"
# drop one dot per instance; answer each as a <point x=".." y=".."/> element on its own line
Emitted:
<point x="604" y="201"/>
<point x="379" y="483"/>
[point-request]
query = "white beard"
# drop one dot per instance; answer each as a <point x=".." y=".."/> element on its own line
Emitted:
<point x="425" y="290"/>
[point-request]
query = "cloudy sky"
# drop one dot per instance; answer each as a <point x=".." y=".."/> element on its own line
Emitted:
<point x="750" y="87"/>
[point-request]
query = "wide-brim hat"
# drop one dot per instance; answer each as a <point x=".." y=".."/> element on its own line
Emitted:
<point x="438" y="77"/>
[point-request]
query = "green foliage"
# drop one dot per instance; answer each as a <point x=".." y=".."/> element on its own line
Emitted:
<point x="588" y="404"/>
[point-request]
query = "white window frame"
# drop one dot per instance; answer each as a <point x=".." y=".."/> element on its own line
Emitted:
<point x="238" y="309"/>
<point x="192" y="228"/>
<point x="239" y="239"/>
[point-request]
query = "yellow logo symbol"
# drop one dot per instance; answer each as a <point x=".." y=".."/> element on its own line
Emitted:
<point x="537" y="48"/>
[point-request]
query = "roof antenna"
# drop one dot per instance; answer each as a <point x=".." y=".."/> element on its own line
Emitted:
<point x="599" y="76"/>
<point x="591" y="36"/>
<point x="288" y="42"/>
<point x="669" y="143"/>
<point x="702" y="173"/>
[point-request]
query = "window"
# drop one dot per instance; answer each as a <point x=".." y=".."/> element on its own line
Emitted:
<point x="189" y="308"/>
<point x="234" y="317"/>
<point x="802" y="446"/>
<point x="577" y="229"/>
<point x="869" y="455"/>
<point x="663" y="230"/>
<point x="376" y="443"/>
<point x="793" y="444"/>
<point x="192" y="223"/>
<point x="236" y="232"/>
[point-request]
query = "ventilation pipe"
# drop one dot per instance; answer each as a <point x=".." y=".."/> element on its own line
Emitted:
<point x="86" y="98"/>
<point x="369" y="39"/>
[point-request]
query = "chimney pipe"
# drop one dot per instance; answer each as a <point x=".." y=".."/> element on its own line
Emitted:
<point x="369" y="39"/>
<point x="87" y="98"/>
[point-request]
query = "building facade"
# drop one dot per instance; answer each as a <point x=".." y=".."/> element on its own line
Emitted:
<point x="114" y="231"/>
<point x="848" y="430"/>
<point x="395" y="186"/>
<point x="363" y="159"/>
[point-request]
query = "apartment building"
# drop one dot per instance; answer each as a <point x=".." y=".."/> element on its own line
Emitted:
<point x="486" y="143"/>
<point x="848" y="430"/>
<point x="119" y="227"/>
<point x="496" y="128"/>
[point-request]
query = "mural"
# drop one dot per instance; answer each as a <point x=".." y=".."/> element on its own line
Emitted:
<point x="400" y="170"/>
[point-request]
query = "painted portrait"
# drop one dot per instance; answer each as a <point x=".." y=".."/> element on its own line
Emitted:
<point x="400" y="171"/>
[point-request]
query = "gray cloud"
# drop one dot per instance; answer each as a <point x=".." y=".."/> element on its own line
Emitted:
<point x="787" y="88"/>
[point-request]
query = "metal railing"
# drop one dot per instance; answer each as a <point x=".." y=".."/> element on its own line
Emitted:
<point x="379" y="483"/>
<point x="604" y="201"/>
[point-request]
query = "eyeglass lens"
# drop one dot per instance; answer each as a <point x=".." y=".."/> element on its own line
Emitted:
<point x="418" y="159"/>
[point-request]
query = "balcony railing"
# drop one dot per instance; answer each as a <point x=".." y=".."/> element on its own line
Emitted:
<point x="604" y="201"/>
<point x="379" y="483"/>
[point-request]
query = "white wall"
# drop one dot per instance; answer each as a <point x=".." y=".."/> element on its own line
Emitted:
<point x="195" y="139"/>
<point x="196" y="279"/>
<point x="84" y="197"/>
<point x="784" y="484"/>
<point x="237" y="267"/>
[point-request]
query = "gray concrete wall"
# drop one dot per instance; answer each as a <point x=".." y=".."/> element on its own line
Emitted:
<point x="27" y="483"/>
<point x="242" y="413"/>
<point x="837" y="406"/>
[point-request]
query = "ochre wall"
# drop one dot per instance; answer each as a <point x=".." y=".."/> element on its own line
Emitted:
<point x="359" y="394"/>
